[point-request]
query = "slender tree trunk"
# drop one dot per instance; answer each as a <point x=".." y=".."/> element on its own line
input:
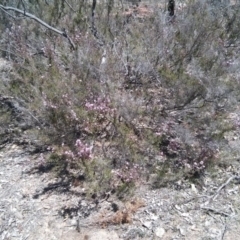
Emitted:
<point x="171" y="7"/>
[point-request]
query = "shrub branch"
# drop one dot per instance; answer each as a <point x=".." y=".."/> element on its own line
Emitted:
<point x="31" y="16"/>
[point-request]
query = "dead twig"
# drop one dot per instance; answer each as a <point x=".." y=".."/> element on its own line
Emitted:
<point x="211" y="198"/>
<point x="70" y="6"/>
<point x="213" y="210"/>
<point x="224" y="229"/>
<point x="31" y="16"/>
<point x="222" y="186"/>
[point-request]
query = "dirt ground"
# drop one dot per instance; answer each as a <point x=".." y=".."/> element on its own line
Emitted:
<point x="30" y="209"/>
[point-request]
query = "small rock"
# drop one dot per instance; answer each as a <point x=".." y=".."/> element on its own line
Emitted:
<point x="194" y="189"/>
<point x="83" y="203"/>
<point x="18" y="215"/>
<point x="73" y="222"/>
<point x="134" y="233"/>
<point x="154" y="217"/>
<point x="147" y="224"/>
<point x="159" y="232"/>
<point x="182" y="230"/>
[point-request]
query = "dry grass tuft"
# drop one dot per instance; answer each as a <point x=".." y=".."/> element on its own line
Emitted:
<point x="124" y="215"/>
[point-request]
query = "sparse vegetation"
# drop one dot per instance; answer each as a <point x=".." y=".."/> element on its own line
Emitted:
<point x="125" y="91"/>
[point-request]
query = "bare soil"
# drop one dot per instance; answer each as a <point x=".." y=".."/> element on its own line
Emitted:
<point x="37" y="206"/>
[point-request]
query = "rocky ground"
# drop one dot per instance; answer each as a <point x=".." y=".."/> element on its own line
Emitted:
<point x="34" y="205"/>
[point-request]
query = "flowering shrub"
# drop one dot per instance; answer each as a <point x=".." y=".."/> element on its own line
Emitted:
<point x="164" y="100"/>
<point x="82" y="151"/>
<point x="128" y="173"/>
<point x="99" y="105"/>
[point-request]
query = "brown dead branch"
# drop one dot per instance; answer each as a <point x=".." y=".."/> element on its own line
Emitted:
<point x="124" y="215"/>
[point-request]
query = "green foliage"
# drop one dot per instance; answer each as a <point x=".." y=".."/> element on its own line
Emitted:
<point x="154" y="105"/>
<point x="125" y="190"/>
<point x="56" y="163"/>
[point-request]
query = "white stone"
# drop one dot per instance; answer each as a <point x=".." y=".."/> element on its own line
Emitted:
<point x="147" y="224"/>
<point x="159" y="232"/>
<point x="154" y="217"/>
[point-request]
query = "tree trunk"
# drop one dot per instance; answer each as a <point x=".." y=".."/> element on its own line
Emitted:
<point x="171" y="7"/>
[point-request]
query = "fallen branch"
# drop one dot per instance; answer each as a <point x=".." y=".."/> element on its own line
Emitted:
<point x="31" y="16"/>
<point x="215" y="211"/>
<point x="223" y="186"/>
<point x="224" y="228"/>
<point x="213" y="197"/>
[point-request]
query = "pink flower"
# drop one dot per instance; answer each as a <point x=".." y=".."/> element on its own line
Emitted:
<point x="83" y="151"/>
